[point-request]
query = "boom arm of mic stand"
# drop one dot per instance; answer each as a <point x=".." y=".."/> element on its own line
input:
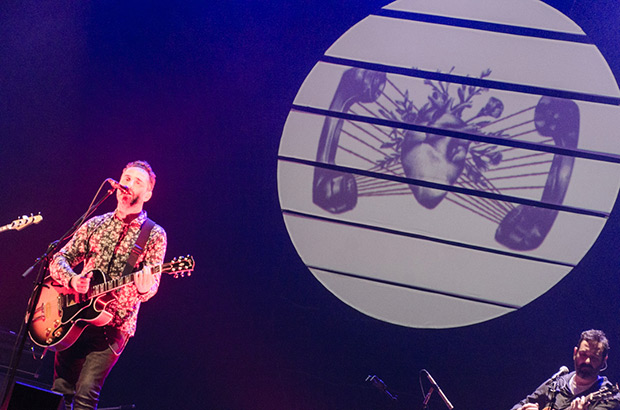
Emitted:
<point x="52" y="247"/>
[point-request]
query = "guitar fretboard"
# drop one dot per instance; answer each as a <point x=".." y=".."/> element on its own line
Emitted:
<point x="177" y="267"/>
<point x="116" y="283"/>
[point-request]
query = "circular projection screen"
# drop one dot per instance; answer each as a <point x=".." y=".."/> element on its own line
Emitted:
<point x="448" y="161"/>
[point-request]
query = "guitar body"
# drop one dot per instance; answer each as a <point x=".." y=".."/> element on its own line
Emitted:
<point x="61" y="314"/>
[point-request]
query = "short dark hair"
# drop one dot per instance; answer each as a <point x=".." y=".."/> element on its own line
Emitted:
<point x="597" y="336"/>
<point x="145" y="166"/>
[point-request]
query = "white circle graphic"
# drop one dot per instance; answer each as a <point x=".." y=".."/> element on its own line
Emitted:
<point x="449" y="161"/>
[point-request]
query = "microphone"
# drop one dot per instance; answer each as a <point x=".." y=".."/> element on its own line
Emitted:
<point x="379" y="384"/>
<point x="117" y="185"/>
<point x="554" y="385"/>
<point x="436" y="386"/>
<point x="563" y="370"/>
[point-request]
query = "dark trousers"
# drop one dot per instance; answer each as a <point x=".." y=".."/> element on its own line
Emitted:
<point x="81" y="370"/>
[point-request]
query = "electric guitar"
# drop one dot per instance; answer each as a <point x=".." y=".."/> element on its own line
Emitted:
<point x="22" y="222"/>
<point x="61" y="314"/>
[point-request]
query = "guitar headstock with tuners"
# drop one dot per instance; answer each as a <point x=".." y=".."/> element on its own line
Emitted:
<point x="179" y="266"/>
<point x="604" y="394"/>
<point x="22" y="222"/>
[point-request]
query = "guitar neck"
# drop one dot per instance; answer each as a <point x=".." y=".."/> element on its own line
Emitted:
<point x="603" y="394"/>
<point x="117" y="283"/>
<point x="22" y="222"/>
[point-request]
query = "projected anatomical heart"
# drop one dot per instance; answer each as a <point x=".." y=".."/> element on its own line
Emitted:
<point x="447" y="162"/>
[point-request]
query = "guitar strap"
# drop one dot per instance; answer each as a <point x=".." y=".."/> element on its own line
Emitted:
<point x="138" y="248"/>
<point x="116" y="339"/>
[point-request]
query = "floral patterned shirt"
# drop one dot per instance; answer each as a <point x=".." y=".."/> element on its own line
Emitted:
<point x="104" y="242"/>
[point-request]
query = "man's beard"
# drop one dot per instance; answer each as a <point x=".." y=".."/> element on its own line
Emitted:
<point x="586" y="371"/>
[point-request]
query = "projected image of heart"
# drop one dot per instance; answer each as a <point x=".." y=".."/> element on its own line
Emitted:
<point x="447" y="162"/>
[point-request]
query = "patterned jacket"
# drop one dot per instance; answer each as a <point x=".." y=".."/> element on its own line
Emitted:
<point x="104" y="242"/>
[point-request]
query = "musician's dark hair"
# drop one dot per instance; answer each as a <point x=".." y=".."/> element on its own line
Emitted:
<point x="597" y="336"/>
<point x="145" y="166"/>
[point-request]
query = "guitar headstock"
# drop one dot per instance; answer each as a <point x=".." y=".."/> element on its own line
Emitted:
<point x="24" y="221"/>
<point x="604" y="394"/>
<point x="180" y="266"/>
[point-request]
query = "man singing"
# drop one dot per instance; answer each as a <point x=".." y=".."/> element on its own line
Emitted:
<point x="105" y="243"/>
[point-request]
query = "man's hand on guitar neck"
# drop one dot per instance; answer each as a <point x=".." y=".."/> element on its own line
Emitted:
<point x="144" y="280"/>
<point x="81" y="283"/>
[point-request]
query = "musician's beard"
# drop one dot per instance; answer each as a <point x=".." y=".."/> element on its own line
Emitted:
<point x="585" y="371"/>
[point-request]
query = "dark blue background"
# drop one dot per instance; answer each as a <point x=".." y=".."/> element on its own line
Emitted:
<point x="202" y="89"/>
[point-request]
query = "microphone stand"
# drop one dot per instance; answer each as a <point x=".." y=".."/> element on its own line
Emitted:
<point x="434" y="386"/>
<point x="427" y="398"/>
<point x="43" y="262"/>
<point x="554" y="392"/>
